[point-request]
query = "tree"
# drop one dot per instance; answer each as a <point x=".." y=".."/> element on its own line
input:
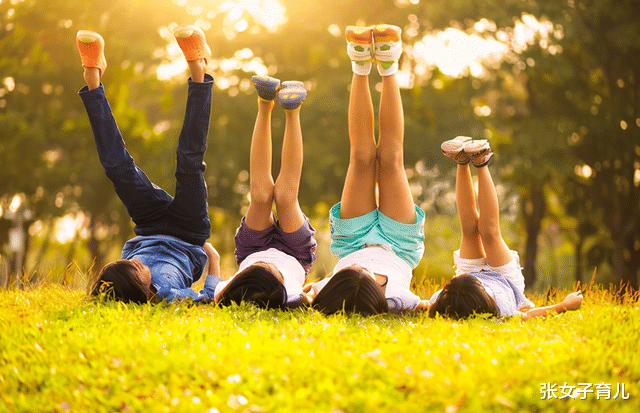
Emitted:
<point x="598" y="95"/>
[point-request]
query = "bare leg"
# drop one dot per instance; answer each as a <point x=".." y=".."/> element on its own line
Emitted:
<point x="197" y="69"/>
<point x="92" y="77"/>
<point x="290" y="215"/>
<point x="496" y="249"/>
<point x="471" y="244"/>
<point x="396" y="200"/>
<point x="259" y="215"/>
<point x="358" y="195"/>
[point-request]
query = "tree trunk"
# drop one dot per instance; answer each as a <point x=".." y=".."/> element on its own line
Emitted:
<point x="533" y="209"/>
<point x="20" y="256"/>
<point x="35" y="269"/>
<point x="578" y="259"/>
<point x="626" y="259"/>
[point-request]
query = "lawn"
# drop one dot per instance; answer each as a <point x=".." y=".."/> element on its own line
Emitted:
<point x="61" y="352"/>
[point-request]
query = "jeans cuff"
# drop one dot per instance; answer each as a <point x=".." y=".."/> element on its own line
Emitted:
<point x="208" y="82"/>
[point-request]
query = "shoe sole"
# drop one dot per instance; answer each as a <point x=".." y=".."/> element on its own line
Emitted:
<point x="386" y="33"/>
<point x="267" y="87"/>
<point x="476" y="147"/>
<point x="454" y="146"/>
<point x="359" y="44"/>
<point x="193" y="45"/>
<point x="91" y="48"/>
<point x="358" y="34"/>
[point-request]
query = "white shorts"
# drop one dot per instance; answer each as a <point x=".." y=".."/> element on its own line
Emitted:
<point x="510" y="270"/>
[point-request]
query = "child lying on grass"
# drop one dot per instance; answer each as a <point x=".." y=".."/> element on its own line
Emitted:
<point x="488" y="278"/>
<point x="376" y="229"/>
<point x="274" y="255"/>
<point x="169" y="252"/>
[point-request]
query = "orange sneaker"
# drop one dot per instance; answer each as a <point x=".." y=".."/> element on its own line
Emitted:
<point x="192" y="43"/>
<point x="91" y="47"/>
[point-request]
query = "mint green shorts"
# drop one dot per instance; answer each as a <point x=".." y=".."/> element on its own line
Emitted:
<point x="375" y="228"/>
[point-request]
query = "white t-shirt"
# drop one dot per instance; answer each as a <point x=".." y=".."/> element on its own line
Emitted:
<point x="292" y="272"/>
<point x="380" y="260"/>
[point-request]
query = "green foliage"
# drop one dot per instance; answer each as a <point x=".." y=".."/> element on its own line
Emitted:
<point x="62" y="352"/>
<point x="549" y="111"/>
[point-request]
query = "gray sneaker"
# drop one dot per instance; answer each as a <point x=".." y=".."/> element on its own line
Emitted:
<point x="266" y="86"/>
<point x="479" y="151"/>
<point x="454" y="148"/>
<point x="292" y="94"/>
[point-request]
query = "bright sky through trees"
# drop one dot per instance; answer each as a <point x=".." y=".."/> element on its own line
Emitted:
<point x="453" y="51"/>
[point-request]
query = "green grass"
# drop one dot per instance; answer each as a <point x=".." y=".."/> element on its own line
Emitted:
<point x="62" y="352"/>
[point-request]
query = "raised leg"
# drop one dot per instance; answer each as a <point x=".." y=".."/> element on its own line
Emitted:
<point x="287" y="184"/>
<point x="197" y="68"/>
<point x="396" y="200"/>
<point x="189" y="210"/>
<point x="259" y="215"/>
<point x="496" y="249"/>
<point x="470" y="244"/>
<point x="92" y="77"/>
<point x="358" y="194"/>
<point x="143" y="200"/>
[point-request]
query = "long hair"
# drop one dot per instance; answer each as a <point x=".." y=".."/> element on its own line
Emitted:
<point x="255" y="284"/>
<point x="120" y="281"/>
<point x="463" y="297"/>
<point x="351" y="291"/>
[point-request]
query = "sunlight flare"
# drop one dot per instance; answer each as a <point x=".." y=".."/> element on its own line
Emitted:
<point x="457" y="53"/>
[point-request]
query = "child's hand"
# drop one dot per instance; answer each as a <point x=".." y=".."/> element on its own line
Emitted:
<point x="214" y="259"/>
<point x="308" y="293"/>
<point x="572" y="301"/>
<point x="212" y="253"/>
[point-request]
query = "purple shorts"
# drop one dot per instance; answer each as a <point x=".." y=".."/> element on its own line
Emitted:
<point x="300" y="244"/>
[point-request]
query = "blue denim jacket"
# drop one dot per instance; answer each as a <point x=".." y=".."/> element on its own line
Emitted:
<point x="174" y="264"/>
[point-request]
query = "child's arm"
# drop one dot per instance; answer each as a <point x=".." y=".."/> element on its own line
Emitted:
<point x="570" y="303"/>
<point x="423" y="305"/>
<point x="214" y="259"/>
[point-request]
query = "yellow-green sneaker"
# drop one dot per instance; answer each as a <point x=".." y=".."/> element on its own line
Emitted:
<point x="360" y="48"/>
<point x="387" y="48"/>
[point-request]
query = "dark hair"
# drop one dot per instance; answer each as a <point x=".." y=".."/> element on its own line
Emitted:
<point x="351" y="291"/>
<point x="463" y="297"/>
<point x="120" y="281"/>
<point x="255" y="284"/>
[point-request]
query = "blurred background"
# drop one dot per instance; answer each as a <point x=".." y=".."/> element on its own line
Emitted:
<point x="552" y="85"/>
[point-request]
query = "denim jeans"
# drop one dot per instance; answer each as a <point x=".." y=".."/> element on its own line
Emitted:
<point x="154" y="211"/>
